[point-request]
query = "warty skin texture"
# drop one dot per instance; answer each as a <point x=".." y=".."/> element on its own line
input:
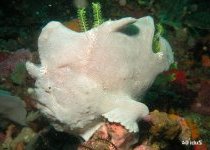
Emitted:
<point x="85" y="77"/>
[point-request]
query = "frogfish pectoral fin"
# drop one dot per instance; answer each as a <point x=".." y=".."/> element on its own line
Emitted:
<point x="128" y="114"/>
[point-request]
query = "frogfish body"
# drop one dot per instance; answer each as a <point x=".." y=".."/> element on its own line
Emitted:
<point x="88" y="76"/>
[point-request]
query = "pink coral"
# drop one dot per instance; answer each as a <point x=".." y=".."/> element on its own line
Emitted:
<point x="112" y="136"/>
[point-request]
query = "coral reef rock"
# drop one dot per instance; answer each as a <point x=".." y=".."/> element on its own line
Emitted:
<point x="12" y="108"/>
<point x="9" y="63"/>
<point x="202" y="103"/>
<point x="87" y="76"/>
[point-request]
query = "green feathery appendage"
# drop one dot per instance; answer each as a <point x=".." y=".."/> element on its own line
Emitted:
<point x="160" y="29"/>
<point x="81" y="13"/>
<point x="172" y="67"/>
<point x="97" y="14"/>
<point x="156" y="39"/>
